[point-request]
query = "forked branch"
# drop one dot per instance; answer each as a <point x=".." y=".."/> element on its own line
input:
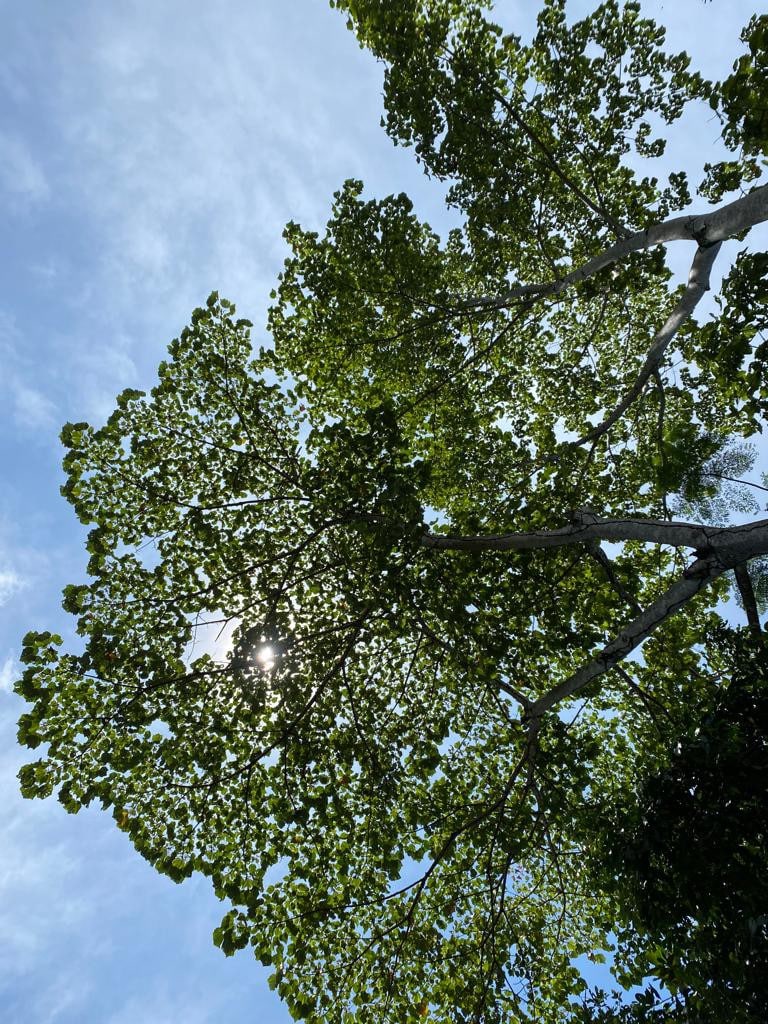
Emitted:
<point x="696" y="288"/>
<point x="707" y="229"/>
<point x="718" y="550"/>
<point x="694" y="579"/>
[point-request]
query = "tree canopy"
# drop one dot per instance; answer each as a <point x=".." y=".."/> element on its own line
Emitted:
<point x="362" y="623"/>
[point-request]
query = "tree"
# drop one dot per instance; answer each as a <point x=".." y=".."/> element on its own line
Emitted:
<point x="689" y="853"/>
<point x="399" y="755"/>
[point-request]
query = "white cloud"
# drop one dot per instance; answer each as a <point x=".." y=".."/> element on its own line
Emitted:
<point x="193" y="149"/>
<point x="46" y="270"/>
<point x="20" y="174"/>
<point x="8" y="673"/>
<point x="60" y="996"/>
<point x="180" y="150"/>
<point x="13" y="83"/>
<point x="10" y="583"/>
<point x="43" y="860"/>
<point x="164" y="1008"/>
<point x="33" y="409"/>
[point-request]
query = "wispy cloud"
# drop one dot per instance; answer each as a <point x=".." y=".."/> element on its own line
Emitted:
<point x="180" y="148"/>
<point x="21" y="175"/>
<point x="59" y="997"/>
<point x="33" y="410"/>
<point x="8" y="673"/>
<point x="102" y="367"/>
<point x="195" y="144"/>
<point x="29" y="861"/>
<point x="10" y="583"/>
<point x="163" y="1007"/>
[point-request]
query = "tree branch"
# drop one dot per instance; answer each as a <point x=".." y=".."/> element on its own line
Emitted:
<point x="735" y="480"/>
<point x="707" y="229"/>
<point x="743" y="543"/>
<point x="587" y="527"/>
<point x="698" y="285"/>
<point x="607" y="565"/>
<point x="718" y="549"/>
<point x="746" y="590"/>
<point x="647" y="698"/>
<point x="695" y="578"/>
<point x="617" y="227"/>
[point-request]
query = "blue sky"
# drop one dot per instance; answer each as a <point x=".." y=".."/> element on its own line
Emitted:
<point x="149" y="153"/>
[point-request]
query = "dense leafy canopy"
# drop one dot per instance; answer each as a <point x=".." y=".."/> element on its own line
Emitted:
<point x="690" y="851"/>
<point x="351" y="644"/>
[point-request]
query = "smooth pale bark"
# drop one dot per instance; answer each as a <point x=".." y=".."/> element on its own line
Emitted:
<point x="732" y="549"/>
<point x="720" y="549"/>
<point x="589" y="527"/>
<point x="696" y="577"/>
<point x="696" y="288"/>
<point x="707" y="229"/>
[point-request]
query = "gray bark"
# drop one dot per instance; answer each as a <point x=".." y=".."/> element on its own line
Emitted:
<point x="732" y="549"/>
<point x="719" y="549"/>
<point x="696" y="288"/>
<point x="707" y="229"/>
<point x="589" y="527"/>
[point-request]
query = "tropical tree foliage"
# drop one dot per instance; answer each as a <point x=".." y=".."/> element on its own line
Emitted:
<point x="352" y="644"/>
<point x="689" y="853"/>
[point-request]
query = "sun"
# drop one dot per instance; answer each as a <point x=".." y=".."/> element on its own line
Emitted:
<point x="265" y="657"/>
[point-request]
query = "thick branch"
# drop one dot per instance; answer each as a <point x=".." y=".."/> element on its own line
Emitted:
<point x="744" y="583"/>
<point x="698" y="285"/>
<point x="706" y="229"/>
<point x="588" y="527"/>
<point x="695" y="578"/>
<point x="742" y="544"/>
<point x="719" y="549"/>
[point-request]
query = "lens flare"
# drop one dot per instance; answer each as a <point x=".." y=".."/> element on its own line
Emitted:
<point x="265" y="657"/>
